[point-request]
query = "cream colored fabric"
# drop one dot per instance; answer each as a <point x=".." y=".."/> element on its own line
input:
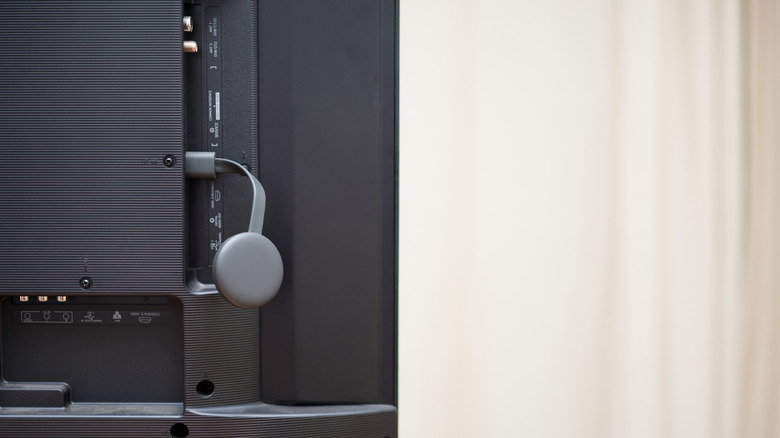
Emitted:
<point x="588" y="213"/>
<point x="760" y="384"/>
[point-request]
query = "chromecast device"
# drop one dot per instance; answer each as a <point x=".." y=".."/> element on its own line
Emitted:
<point x="247" y="267"/>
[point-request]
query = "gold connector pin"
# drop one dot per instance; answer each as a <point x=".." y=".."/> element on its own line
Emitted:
<point x="186" y="23"/>
<point x="190" y="47"/>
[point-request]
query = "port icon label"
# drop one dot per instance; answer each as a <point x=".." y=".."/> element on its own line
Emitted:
<point x="43" y="317"/>
<point x="92" y="317"/>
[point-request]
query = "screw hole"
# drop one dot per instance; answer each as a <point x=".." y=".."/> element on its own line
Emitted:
<point x="179" y="430"/>
<point x="205" y="388"/>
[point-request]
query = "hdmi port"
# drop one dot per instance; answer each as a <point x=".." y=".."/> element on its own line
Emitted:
<point x="145" y="319"/>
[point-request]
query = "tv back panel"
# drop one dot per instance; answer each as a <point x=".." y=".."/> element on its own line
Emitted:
<point x="198" y="232"/>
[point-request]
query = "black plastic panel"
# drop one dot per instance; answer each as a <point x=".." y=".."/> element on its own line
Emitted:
<point x="376" y="422"/>
<point x="93" y="95"/>
<point x="221" y="117"/>
<point x="91" y="104"/>
<point x="106" y="350"/>
<point x="327" y="160"/>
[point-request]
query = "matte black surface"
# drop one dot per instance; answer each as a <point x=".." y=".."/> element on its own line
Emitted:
<point x="226" y="64"/>
<point x="381" y="424"/>
<point x="121" y="362"/>
<point x="327" y="157"/>
<point x="93" y="95"/>
<point x="88" y="110"/>
<point x="37" y="395"/>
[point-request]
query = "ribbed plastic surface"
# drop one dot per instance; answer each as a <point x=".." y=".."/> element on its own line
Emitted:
<point x="223" y="347"/>
<point x="90" y="104"/>
<point x="376" y="425"/>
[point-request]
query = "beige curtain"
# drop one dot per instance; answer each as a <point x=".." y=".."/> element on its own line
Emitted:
<point x="760" y="297"/>
<point x="589" y="197"/>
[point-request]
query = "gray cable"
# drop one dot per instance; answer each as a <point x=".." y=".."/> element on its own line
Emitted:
<point x="207" y="165"/>
<point x="223" y="165"/>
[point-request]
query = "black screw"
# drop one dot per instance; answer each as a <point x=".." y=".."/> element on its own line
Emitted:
<point x="169" y="160"/>
<point x="85" y="282"/>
